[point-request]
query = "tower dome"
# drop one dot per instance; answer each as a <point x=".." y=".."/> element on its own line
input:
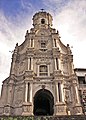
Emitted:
<point x="42" y="20"/>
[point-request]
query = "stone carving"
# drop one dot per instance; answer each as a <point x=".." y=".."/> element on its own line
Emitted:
<point x="78" y="110"/>
<point x="19" y="89"/>
<point x="17" y="102"/>
<point x="74" y="82"/>
<point x="1" y="110"/>
<point x="27" y="108"/>
<point x="60" y="109"/>
<point x="43" y="86"/>
<point x="21" y="67"/>
<point x="67" y="84"/>
<point x="43" y="61"/>
<point x="29" y="74"/>
<point x="30" y="109"/>
<point x="19" y="95"/>
<point x="7" y="110"/>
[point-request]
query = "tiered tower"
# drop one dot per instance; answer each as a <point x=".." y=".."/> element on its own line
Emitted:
<point x="42" y="79"/>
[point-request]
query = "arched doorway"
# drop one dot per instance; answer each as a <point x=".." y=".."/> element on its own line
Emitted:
<point x="43" y="103"/>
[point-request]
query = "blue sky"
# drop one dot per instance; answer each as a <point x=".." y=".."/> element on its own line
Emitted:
<point x="69" y="17"/>
<point x="13" y="8"/>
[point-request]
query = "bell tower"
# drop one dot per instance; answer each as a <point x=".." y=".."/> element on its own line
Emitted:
<point x="42" y="20"/>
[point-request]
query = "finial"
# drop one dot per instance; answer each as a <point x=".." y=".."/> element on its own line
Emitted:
<point x="42" y="10"/>
<point x="57" y="32"/>
<point x="67" y="45"/>
<point x="27" y="31"/>
<point x="16" y="44"/>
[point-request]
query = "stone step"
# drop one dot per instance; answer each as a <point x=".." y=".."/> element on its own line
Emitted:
<point x="79" y="117"/>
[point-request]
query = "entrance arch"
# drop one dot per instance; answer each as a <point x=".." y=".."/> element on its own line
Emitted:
<point x="43" y="103"/>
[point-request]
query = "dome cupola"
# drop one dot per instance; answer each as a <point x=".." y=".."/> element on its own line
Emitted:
<point x="42" y="20"/>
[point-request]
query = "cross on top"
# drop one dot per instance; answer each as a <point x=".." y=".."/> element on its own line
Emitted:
<point x="42" y="10"/>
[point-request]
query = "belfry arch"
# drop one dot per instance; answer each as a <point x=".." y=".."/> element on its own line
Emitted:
<point x="43" y="103"/>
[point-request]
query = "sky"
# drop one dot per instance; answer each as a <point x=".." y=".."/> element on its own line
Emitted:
<point x="69" y="18"/>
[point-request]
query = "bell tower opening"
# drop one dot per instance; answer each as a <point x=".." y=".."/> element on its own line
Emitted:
<point x="43" y="21"/>
<point x="43" y="103"/>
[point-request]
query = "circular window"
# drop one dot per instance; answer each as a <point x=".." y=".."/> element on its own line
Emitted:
<point x="43" y="21"/>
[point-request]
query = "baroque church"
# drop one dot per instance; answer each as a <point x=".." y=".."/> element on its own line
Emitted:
<point x="42" y="80"/>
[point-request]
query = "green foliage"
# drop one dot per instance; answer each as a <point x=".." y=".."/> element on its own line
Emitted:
<point x="82" y="117"/>
<point x="17" y="118"/>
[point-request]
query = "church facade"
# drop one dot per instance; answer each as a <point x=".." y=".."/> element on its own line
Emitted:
<point x="42" y="80"/>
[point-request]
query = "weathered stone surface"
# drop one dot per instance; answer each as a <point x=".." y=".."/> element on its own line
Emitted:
<point x="42" y="79"/>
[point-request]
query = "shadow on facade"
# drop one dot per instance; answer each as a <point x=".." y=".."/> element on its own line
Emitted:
<point x="43" y="103"/>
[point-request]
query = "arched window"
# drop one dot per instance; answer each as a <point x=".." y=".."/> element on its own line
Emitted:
<point x="57" y="66"/>
<point x="43" y="70"/>
<point x="31" y="42"/>
<point x="55" y="43"/>
<point x="42" y="21"/>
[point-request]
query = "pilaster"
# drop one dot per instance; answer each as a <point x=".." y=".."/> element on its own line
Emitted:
<point x="77" y="106"/>
<point x="60" y="109"/>
<point x="27" y="109"/>
<point x="14" y="58"/>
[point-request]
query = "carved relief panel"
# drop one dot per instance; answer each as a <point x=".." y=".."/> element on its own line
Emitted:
<point x="18" y="96"/>
<point x="21" y="67"/>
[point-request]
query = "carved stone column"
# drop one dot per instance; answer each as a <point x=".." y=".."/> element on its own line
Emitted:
<point x="77" y="95"/>
<point x="60" y="106"/>
<point x="62" y="92"/>
<point x="26" y="91"/>
<point x="28" y="63"/>
<point x="33" y="42"/>
<point x="27" y="108"/>
<point x="59" y="64"/>
<point x="37" y="70"/>
<point x="72" y="67"/>
<point x="53" y="43"/>
<point x="31" y="63"/>
<point x="30" y="92"/>
<point x="55" y="63"/>
<point x="48" y="70"/>
<point x="77" y="108"/>
<point x="57" y="100"/>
